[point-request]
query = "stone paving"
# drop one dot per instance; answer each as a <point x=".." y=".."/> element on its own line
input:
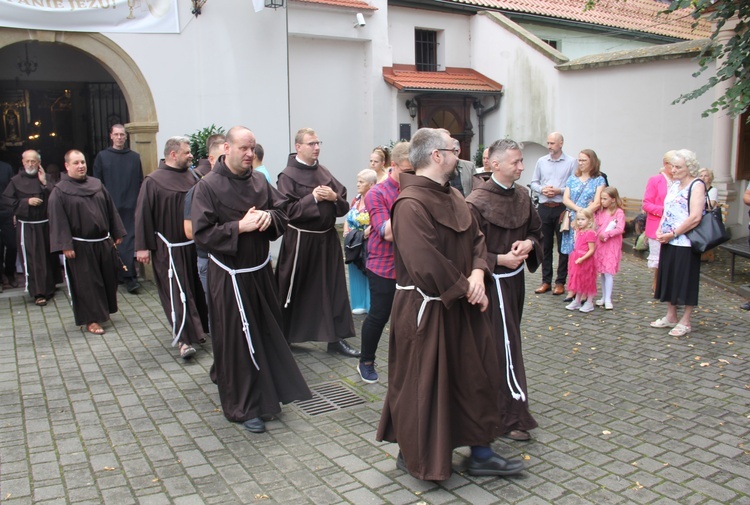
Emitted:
<point x="627" y="414"/>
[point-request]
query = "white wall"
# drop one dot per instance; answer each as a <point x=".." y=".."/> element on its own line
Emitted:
<point x="624" y="113"/>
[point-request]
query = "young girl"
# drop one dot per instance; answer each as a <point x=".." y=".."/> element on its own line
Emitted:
<point x="610" y="225"/>
<point x="581" y="264"/>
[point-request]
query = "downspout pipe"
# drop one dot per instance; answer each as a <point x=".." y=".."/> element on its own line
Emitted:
<point x="482" y="111"/>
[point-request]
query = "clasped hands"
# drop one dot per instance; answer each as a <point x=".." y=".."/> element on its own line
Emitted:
<point x="324" y="193"/>
<point x="518" y="253"/>
<point x="254" y="220"/>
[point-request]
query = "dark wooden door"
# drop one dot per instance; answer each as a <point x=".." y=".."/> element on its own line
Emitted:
<point x="452" y="112"/>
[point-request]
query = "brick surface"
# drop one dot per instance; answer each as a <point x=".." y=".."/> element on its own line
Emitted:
<point x="626" y="414"/>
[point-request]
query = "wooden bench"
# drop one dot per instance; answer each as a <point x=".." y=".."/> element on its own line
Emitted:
<point x="738" y="247"/>
<point x="632" y="207"/>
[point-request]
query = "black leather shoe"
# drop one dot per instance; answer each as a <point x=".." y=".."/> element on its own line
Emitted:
<point x="745" y="306"/>
<point x="133" y="286"/>
<point x="255" y="425"/>
<point x="344" y="349"/>
<point x="495" y="465"/>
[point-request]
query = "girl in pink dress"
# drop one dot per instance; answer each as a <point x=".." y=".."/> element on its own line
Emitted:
<point x="581" y="263"/>
<point x="610" y="225"/>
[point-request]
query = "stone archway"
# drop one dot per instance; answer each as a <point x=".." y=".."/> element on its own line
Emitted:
<point x="143" y="124"/>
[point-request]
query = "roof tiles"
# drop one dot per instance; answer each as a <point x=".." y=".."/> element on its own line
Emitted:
<point x="406" y="77"/>
<point x="636" y="15"/>
<point x="352" y="4"/>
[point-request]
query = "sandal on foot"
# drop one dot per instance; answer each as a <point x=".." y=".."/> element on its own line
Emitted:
<point x="95" y="328"/>
<point x="680" y="330"/>
<point x="663" y="323"/>
<point x="518" y="435"/>
<point x="41" y="301"/>
<point x="186" y="351"/>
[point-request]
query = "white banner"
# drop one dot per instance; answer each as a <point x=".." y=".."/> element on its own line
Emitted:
<point x="108" y="16"/>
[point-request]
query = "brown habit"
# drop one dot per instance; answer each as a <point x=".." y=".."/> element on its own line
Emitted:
<point x="220" y="200"/>
<point x="41" y="264"/>
<point x="160" y="208"/>
<point x="84" y="209"/>
<point x="319" y="307"/>
<point x="506" y="216"/>
<point x="443" y="374"/>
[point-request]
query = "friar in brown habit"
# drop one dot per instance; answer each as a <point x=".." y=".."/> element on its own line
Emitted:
<point x="310" y="273"/>
<point x="159" y="230"/>
<point x="85" y="226"/>
<point x="26" y="196"/>
<point x="443" y="368"/>
<point x="513" y="234"/>
<point x="235" y="213"/>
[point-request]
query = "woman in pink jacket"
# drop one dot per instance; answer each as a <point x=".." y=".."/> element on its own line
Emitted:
<point x="653" y="206"/>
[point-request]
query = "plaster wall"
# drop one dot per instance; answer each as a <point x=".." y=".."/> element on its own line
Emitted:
<point x="624" y="113"/>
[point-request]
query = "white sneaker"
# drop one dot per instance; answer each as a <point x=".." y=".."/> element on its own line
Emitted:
<point x="573" y="305"/>
<point x="587" y="307"/>
<point x="609" y="306"/>
<point x="358" y="312"/>
<point x="600" y="302"/>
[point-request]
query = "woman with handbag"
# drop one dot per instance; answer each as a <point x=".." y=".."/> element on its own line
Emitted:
<point x="582" y="191"/>
<point x="678" y="279"/>
<point x="358" y="221"/>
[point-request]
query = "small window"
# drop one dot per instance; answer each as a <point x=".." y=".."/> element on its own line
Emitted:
<point x="554" y="44"/>
<point x="425" y="44"/>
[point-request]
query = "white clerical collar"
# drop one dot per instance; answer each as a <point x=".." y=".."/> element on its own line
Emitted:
<point x="306" y="164"/>
<point x="501" y="185"/>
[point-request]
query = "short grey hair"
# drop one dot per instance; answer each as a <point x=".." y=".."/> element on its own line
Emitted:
<point x="499" y="147"/>
<point x="174" y="143"/>
<point x="423" y="143"/>
<point x="368" y="175"/>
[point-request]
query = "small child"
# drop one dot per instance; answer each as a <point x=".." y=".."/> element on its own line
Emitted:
<point x="610" y="225"/>
<point x="581" y="264"/>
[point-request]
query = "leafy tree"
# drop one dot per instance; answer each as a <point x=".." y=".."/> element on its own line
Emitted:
<point x="198" y="140"/>
<point x="731" y="58"/>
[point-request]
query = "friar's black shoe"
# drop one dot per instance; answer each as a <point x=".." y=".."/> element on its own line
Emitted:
<point x="255" y="425"/>
<point x="133" y="286"/>
<point x="341" y="347"/>
<point x="495" y="465"/>
<point x="745" y="306"/>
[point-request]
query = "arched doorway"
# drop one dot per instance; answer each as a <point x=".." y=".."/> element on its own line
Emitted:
<point x="451" y="112"/>
<point x="113" y="61"/>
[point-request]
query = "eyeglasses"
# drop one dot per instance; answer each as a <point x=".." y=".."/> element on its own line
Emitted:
<point x="453" y="150"/>
<point x="313" y="144"/>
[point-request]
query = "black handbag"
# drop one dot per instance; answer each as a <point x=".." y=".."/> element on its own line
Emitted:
<point x="355" y="249"/>
<point x="710" y="232"/>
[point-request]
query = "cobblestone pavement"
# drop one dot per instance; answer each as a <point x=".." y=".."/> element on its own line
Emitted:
<point x="627" y="414"/>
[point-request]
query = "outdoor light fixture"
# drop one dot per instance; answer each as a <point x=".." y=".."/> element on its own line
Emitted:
<point x="27" y="66"/>
<point x="197" y="6"/>
<point x="273" y="4"/>
<point x="412" y="106"/>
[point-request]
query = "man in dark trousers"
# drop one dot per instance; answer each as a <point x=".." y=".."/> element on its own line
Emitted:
<point x="310" y="271"/>
<point x="27" y="195"/>
<point x="513" y="234"/>
<point x="443" y="368"/>
<point x="160" y="231"/>
<point x="85" y="226"/>
<point x="235" y="214"/>
<point x="8" y="250"/>
<point x="121" y="172"/>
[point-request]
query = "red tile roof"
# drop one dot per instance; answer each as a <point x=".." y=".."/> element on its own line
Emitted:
<point x="406" y="77"/>
<point x="637" y="15"/>
<point x="352" y="4"/>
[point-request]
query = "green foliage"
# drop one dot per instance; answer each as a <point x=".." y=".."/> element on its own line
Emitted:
<point x="198" y="146"/>
<point x="732" y="58"/>
<point x="478" y="156"/>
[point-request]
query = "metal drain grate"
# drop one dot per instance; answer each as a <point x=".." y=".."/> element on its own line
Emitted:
<point x="329" y="397"/>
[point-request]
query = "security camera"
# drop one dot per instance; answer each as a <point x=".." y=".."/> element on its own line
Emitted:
<point x="360" y="20"/>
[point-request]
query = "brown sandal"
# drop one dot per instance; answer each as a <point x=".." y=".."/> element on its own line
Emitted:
<point x="95" y="328"/>
<point x="41" y="301"/>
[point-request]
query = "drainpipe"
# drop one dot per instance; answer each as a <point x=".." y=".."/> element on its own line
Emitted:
<point x="481" y="112"/>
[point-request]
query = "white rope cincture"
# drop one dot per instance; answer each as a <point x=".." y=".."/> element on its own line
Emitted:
<point x="238" y="298"/>
<point x="425" y="298"/>
<point x="65" y="263"/>
<point x="23" y="248"/>
<point x="296" y="254"/>
<point x="509" y="370"/>
<point x="172" y="272"/>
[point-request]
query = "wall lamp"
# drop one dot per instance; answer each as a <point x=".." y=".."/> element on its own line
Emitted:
<point x="412" y="105"/>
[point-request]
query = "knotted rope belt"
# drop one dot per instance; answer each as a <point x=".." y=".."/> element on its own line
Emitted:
<point x="238" y="298"/>
<point x="296" y="255"/>
<point x="65" y="262"/>
<point x="23" y="248"/>
<point x="172" y="273"/>
<point x="425" y="298"/>
<point x="517" y="394"/>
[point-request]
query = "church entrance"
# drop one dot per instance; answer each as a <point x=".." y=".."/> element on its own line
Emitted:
<point x="452" y="113"/>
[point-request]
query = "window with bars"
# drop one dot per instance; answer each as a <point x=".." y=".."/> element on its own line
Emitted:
<point x="425" y="44"/>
